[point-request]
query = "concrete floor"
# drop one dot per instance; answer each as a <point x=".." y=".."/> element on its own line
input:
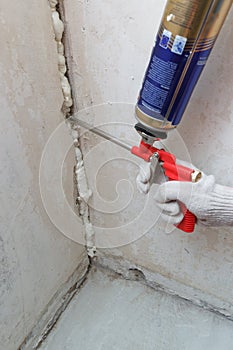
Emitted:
<point x="110" y="313"/>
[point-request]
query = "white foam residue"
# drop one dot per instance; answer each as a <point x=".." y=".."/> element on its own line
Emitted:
<point x="84" y="193"/>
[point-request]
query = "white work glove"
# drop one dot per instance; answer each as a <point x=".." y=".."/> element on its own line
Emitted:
<point x="143" y="178"/>
<point x="211" y="203"/>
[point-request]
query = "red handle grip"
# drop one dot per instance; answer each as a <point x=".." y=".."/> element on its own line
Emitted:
<point x="173" y="172"/>
<point x="189" y="220"/>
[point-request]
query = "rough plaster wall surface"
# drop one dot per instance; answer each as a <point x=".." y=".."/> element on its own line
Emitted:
<point x="35" y="259"/>
<point x="111" y="43"/>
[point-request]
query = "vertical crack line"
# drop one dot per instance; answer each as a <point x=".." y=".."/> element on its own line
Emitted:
<point x="83" y="193"/>
<point x="58" y="28"/>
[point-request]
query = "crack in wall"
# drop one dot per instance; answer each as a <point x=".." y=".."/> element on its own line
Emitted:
<point x="133" y="272"/>
<point x="58" y="27"/>
<point x="83" y="193"/>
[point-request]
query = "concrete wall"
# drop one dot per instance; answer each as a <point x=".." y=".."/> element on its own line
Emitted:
<point x="35" y="258"/>
<point x="111" y="42"/>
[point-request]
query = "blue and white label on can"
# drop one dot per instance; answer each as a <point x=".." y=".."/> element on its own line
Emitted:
<point x="179" y="45"/>
<point x="166" y="36"/>
<point x="163" y="74"/>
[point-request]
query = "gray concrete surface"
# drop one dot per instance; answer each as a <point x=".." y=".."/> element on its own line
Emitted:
<point x="110" y="52"/>
<point x="112" y="313"/>
<point x="36" y="260"/>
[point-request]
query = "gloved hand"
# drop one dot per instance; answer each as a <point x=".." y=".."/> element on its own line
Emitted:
<point x="143" y="178"/>
<point x="211" y="203"/>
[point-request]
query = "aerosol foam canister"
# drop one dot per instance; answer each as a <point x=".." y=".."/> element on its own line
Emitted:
<point x="185" y="39"/>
